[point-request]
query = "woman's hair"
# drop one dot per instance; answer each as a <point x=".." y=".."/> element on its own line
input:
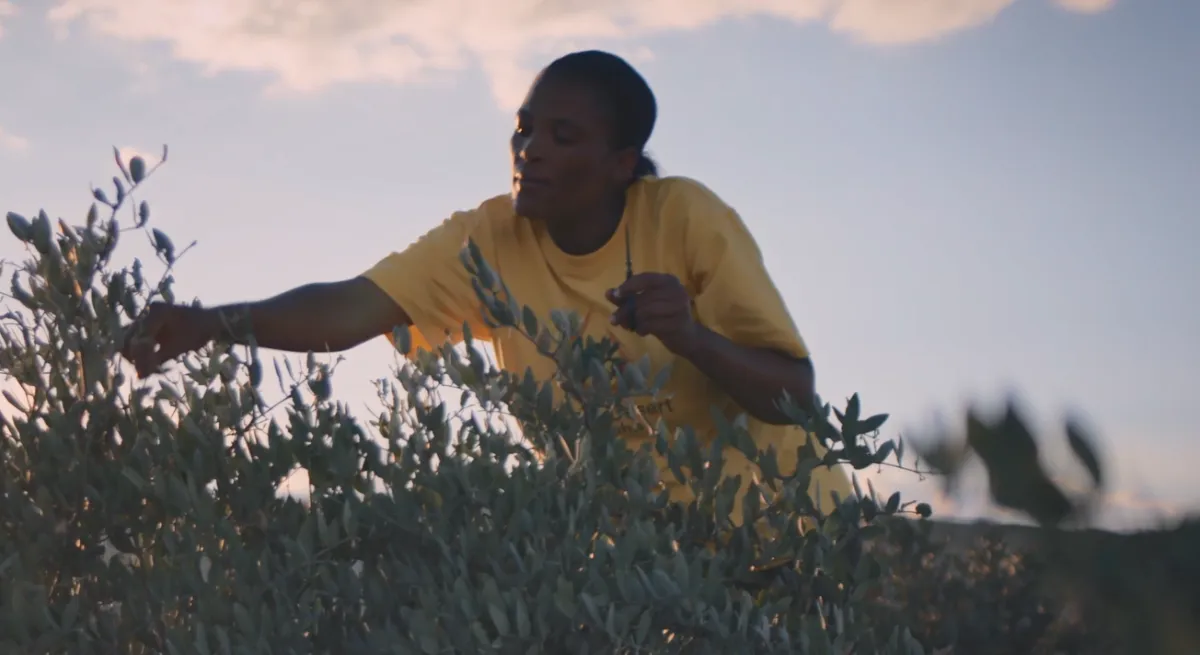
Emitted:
<point x="627" y="98"/>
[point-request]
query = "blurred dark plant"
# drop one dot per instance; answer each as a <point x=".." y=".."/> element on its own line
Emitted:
<point x="1139" y="592"/>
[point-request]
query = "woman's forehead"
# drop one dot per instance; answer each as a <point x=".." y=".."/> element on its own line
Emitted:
<point x="555" y="99"/>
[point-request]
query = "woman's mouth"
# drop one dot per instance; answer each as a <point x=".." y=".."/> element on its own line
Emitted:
<point x="530" y="182"/>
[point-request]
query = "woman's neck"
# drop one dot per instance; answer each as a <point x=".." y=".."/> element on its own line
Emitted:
<point x="583" y="234"/>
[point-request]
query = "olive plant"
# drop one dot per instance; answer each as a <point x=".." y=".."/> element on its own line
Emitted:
<point x="145" y="516"/>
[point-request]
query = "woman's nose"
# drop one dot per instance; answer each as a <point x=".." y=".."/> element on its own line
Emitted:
<point x="530" y="148"/>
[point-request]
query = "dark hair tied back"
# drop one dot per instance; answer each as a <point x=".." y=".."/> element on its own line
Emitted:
<point x="630" y="102"/>
<point x="645" y="167"/>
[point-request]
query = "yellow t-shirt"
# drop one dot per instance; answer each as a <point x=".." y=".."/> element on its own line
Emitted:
<point x="676" y="226"/>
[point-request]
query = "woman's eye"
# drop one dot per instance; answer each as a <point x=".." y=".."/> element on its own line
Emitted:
<point x="564" y="136"/>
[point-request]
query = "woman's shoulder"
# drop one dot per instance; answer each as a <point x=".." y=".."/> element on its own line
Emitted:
<point x="486" y="219"/>
<point x="499" y="220"/>
<point x="679" y="190"/>
<point x="492" y="211"/>
<point x="684" y="203"/>
<point x="498" y="207"/>
<point x="484" y="223"/>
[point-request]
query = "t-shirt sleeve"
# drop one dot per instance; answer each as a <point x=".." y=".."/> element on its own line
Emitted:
<point x="430" y="283"/>
<point x="734" y="294"/>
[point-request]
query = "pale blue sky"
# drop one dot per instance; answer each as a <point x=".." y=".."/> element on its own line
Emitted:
<point x="956" y="202"/>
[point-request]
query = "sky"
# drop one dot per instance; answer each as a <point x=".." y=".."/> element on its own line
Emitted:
<point x="962" y="201"/>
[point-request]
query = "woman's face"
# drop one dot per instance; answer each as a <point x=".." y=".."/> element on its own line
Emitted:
<point x="563" y="162"/>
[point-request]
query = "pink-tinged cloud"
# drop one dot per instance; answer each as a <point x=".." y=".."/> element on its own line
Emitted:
<point x="7" y="10"/>
<point x="1087" y="6"/>
<point x="307" y="45"/>
<point x="12" y="142"/>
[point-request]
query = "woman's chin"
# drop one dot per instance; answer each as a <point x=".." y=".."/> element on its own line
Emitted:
<point x="526" y="206"/>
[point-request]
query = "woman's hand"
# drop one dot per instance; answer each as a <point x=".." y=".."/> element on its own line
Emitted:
<point x="754" y="377"/>
<point x="657" y="304"/>
<point x="321" y="317"/>
<point x="165" y="332"/>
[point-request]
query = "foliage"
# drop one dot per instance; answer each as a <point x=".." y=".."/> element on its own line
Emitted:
<point x="144" y="516"/>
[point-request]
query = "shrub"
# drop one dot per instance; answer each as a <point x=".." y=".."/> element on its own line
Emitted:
<point x="145" y="517"/>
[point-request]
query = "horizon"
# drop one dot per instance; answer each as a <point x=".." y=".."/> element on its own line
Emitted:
<point x="958" y="204"/>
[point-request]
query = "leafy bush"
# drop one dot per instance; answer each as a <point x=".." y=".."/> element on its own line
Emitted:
<point x="145" y="517"/>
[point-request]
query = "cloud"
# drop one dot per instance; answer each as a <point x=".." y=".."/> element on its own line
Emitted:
<point x="306" y="46"/>
<point x="7" y="10"/>
<point x="10" y="141"/>
<point x="1087" y="6"/>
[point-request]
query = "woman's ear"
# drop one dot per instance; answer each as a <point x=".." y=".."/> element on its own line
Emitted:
<point x="625" y="164"/>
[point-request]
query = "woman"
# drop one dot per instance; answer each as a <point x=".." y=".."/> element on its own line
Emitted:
<point x="582" y="192"/>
